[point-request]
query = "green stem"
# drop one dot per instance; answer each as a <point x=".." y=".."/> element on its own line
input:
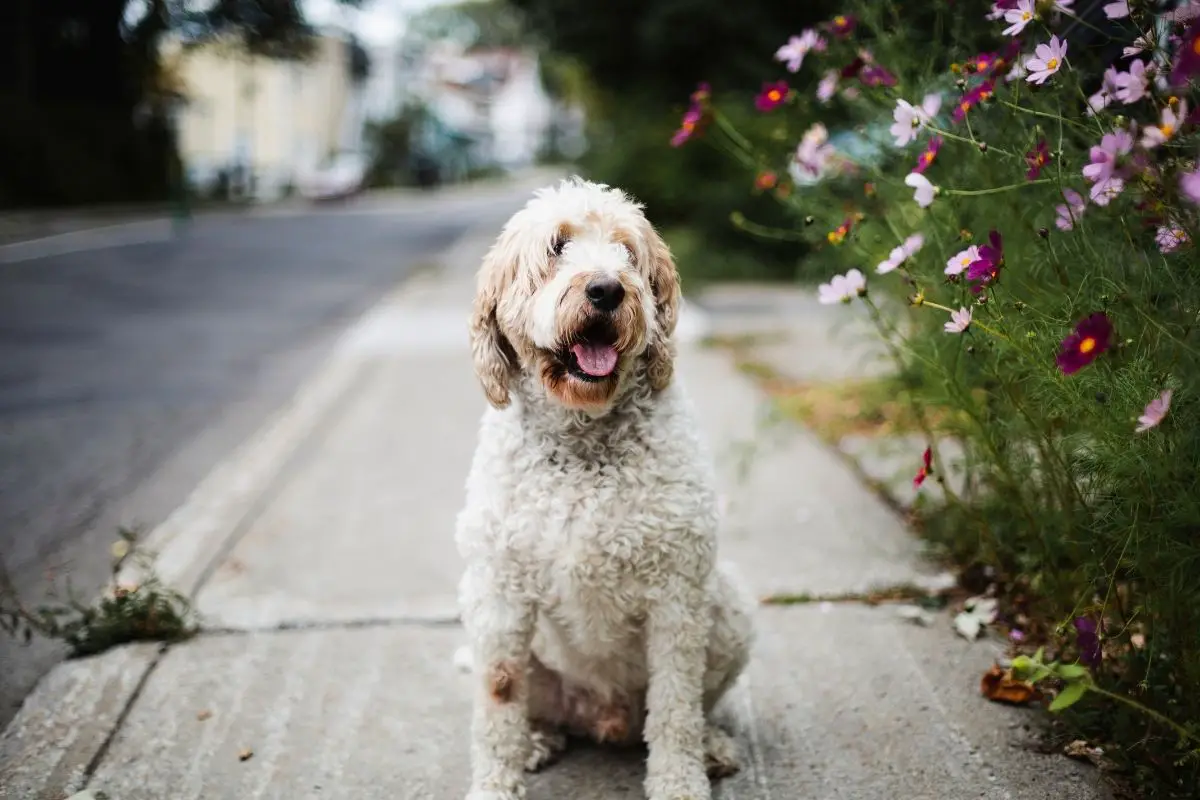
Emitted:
<point x="1183" y="732"/>
<point x="1046" y="114"/>
<point x="995" y="189"/>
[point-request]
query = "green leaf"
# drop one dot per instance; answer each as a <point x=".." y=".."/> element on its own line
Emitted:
<point x="1072" y="672"/>
<point x="1069" y="696"/>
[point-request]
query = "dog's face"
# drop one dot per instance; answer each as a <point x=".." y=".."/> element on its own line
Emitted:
<point x="577" y="289"/>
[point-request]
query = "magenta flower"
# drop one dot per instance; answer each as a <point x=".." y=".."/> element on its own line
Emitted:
<point x="1132" y="85"/>
<point x="842" y="25"/>
<point x="973" y="98"/>
<point x="1047" y="60"/>
<point x="1085" y="344"/>
<point x="1187" y="57"/>
<point x="1069" y="214"/>
<point x="772" y="96"/>
<point x="959" y="321"/>
<point x="1088" y="638"/>
<point x="1170" y="238"/>
<point x="875" y="75"/>
<point x="1154" y="412"/>
<point x="986" y="269"/>
<point x="797" y="47"/>
<point x="1189" y="185"/>
<point x="926" y="468"/>
<point x="1036" y="159"/>
<point x="688" y="126"/>
<point x="928" y="155"/>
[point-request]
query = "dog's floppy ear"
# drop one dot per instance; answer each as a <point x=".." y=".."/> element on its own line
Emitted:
<point x="664" y="282"/>
<point x="495" y="359"/>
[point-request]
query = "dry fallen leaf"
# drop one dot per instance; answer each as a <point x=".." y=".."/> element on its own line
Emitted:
<point x="246" y="754"/>
<point x="1081" y="750"/>
<point x="999" y="686"/>
<point x="203" y="715"/>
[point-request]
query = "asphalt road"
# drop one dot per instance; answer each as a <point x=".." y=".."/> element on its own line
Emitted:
<point x="127" y="372"/>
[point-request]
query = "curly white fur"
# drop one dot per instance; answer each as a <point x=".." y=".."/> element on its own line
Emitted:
<point x="592" y="594"/>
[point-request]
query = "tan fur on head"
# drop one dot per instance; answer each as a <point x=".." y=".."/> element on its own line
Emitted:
<point x="531" y="305"/>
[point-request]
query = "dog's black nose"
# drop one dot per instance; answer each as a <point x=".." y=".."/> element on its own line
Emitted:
<point x="605" y="294"/>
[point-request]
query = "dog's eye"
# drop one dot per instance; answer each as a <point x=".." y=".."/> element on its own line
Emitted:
<point x="556" y="246"/>
<point x="629" y="252"/>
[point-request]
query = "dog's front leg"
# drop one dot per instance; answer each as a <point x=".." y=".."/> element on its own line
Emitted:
<point x="676" y="640"/>
<point x="499" y="618"/>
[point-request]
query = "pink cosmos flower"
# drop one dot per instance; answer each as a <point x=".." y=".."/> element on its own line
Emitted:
<point x="928" y="154"/>
<point x="1108" y="90"/>
<point x="842" y="288"/>
<point x="689" y="125"/>
<point x="1189" y="185"/>
<point x="1154" y="412"/>
<point x="901" y="253"/>
<point x="1019" y="17"/>
<point x="772" y="96"/>
<point x="1187" y="57"/>
<point x="910" y="118"/>
<point x="924" y="191"/>
<point x="1105" y="157"/>
<point x="797" y="47"/>
<point x="999" y="8"/>
<point x="959" y="321"/>
<point x="1132" y="85"/>
<point x="1117" y="10"/>
<point x="1169" y="123"/>
<point x="961" y="260"/>
<point x="828" y="86"/>
<point x="1036" y="159"/>
<point x="1047" y="60"/>
<point x="814" y="152"/>
<point x="1107" y="190"/>
<point x="1069" y="214"/>
<point x="1170" y="238"/>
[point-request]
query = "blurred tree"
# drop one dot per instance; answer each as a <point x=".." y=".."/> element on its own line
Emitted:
<point x="634" y="63"/>
<point x="77" y="79"/>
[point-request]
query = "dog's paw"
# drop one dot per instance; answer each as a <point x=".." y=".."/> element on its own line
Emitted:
<point x="546" y="745"/>
<point x="720" y="753"/>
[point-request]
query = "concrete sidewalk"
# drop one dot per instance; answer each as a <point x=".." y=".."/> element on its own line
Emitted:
<point x="321" y="558"/>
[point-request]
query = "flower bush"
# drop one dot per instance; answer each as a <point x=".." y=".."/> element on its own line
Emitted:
<point x="1027" y="187"/>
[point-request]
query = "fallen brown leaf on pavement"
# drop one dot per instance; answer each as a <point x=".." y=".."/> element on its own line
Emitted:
<point x="203" y="715"/>
<point x="999" y="686"/>
<point x="1082" y="750"/>
<point x="245" y="755"/>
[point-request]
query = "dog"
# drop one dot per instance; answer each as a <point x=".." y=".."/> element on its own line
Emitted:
<point x="592" y="595"/>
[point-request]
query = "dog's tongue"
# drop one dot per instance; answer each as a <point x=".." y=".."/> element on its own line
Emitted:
<point x="597" y="360"/>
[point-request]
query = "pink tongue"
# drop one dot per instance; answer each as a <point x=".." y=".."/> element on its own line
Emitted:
<point x="597" y="360"/>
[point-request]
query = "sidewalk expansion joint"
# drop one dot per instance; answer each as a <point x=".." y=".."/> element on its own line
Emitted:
<point x="307" y="626"/>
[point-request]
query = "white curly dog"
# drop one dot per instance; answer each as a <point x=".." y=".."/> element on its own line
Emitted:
<point x="592" y="595"/>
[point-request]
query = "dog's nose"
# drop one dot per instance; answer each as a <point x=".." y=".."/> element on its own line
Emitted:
<point x="605" y="294"/>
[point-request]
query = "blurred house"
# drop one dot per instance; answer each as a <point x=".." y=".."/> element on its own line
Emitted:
<point x="485" y="107"/>
<point x="259" y="125"/>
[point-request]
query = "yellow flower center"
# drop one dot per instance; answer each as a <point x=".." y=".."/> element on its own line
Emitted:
<point x="927" y="158"/>
<point x="689" y="126"/>
<point x="1196" y="45"/>
<point x="1052" y="64"/>
<point x="1087" y="345"/>
<point x="839" y="20"/>
<point x="774" y="95"/>
<point x="1167" y="130"/>
<point x="965" y="106"/>
<point x="1026" y="16"/>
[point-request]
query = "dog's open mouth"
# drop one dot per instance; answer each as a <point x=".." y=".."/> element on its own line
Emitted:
<point x="592" y="355"/>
